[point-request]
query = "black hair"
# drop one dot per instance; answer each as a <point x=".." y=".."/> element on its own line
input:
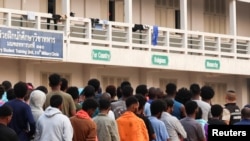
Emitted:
<point x="171" y="89"/>
<point x="95" y="83"/>
<point x="199" y="114"/>
<point x="42" y="88"/>
<point x="64" y="84"/>
<point x="56" y="100"/>
<point x="20" y="89"/>
<point x="169" y="102"/>
<point x="142" y="100"/>
<point x="141" y="89"/>
<point x="207" y="92"/>
<point x="7" y="85"/>
<point x="216" y="110"/>
<point x="183" y="95"/>
<point x="5" y="111"/>
<point x="10" y="94"/>
<point x="104" y="104"/>
<point x="125" y="83"/>
<point x="195" y="89"/>
<point x="191" y="107"/>
<point x="152" y="93"/>
<point x="130" y="101"/>
<point x="157" y="106"/>
<point x="127" y="91"/>
<point x="111" y="89"/>
<point x="245" y="113"/>
<point x="73" y="91"/>
<point x="1" y="91"/>
<point x="89" y="103"/>
<point x="119" y="92"/>
<point x="88" y="91"/>
<point x="54" y="80"/>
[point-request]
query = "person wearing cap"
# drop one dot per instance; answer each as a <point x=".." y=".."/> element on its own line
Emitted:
<point x="231" y="112"/>
<point x="245" y="116"/>
<point x="6" y="133"/>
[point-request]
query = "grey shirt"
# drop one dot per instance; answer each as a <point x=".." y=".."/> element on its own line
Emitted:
<point x="107" y="129"/>
<point x="173" y="125"/>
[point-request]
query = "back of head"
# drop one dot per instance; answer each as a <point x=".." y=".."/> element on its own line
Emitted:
<point x="171" y="89"/>
<point x="89" y="104"/>
<point x="199" y="114"/>
<point x="127" y="91"/>
<point x="119" y="92"/>
<point x="73" y="91"/>
<point x="152" y="93"/>
<point x="142" y="100"/>
<point x="37" y="99"/>
<point x="42" y="88"/>
<point x="216" y="110"/>
<point x="10" y="94"/>
<point x="131" y="101"/>
<point x="125" y="83"/>
<point x="141" y="89"/>
<point x="195" y="89"/>
<point x="157" y="106"/>
<point x="56" y="101"/>
<point x="183" y="95"/>
<point x="207" y="92"/>
<point x="20" y="89"/>
<point x="231" y="96"/>
<point x="5" y="111"/>
<point x="106" y="96"/>
<point x="169" y="102"/>
<point x="245" y="113"/>
<point x="104" y="104"/>
<point x="111" y="89"/>
<point x="54" y="80"/>
<point x="95" y="83"/>
<point x="7" y="85"/>
<point x="64" y="84"/>
<point x="88" y="91"/>
<point x="1" y="91"/>
<point x="191" y="107"/>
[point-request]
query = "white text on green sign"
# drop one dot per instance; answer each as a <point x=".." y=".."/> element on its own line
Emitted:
<point x="160" y="60"/>
<point x="212" y="64"/>
<point x="102" y="55"/>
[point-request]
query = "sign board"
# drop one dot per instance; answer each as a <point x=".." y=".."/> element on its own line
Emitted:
<point x="212" y="64"/>
<point x="30" y="43"/>
<point x="101" y="55"/>
<point x="159" y="60"/>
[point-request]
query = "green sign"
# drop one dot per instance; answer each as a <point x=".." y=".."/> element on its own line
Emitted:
<point x="160" y="60"/>
<point x="212" y="64"/>
<point x="102" y="55"/>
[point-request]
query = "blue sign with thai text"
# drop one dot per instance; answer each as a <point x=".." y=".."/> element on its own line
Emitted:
<point x="30" y="43"/>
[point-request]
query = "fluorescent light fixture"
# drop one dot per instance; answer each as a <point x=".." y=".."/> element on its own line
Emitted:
<point x="248" y="1"/>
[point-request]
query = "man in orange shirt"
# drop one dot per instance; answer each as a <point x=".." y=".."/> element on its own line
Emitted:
<point x="129" y="123"/>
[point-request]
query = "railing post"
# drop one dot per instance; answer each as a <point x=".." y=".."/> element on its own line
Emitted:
<point x="8" y="18"/>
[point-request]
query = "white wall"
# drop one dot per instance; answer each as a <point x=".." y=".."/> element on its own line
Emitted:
<point x="136" y="11"/>
<point x="93" y="9"/>
<point x="9" y="70"/>
<point x="196" y="15"/>
<point x="148" y="12"/>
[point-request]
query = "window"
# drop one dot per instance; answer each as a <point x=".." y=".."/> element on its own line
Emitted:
<point x="112" y="80"/>
<point x="219" y="92"/>
<point x="215" y="16"/>
<point x="166" y="13"/>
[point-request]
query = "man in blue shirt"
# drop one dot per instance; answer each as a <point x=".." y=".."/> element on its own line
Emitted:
<point x="156" y="108"/>
<point x="22" y="122"/>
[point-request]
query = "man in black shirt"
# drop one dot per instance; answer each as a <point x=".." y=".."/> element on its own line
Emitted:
<point x="142" y="100"/>
<point x="6" y="133"/>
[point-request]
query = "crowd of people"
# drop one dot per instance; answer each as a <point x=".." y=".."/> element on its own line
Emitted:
<point x="116" y="113"/>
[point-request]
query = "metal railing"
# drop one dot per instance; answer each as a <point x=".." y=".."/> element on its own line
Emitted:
<point x="119" y="35"/>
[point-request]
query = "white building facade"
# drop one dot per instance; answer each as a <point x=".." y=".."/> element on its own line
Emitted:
<point x="195" y="41"/>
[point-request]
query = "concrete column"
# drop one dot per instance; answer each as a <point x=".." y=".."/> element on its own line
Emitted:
<point x="232" y="17"/>
<point x="66" y="11"/>
<point x="184" y="13"/>
<point x="128" y="11"/>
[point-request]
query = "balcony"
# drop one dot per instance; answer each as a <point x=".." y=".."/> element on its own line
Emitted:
<point x="80" y="31"/>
